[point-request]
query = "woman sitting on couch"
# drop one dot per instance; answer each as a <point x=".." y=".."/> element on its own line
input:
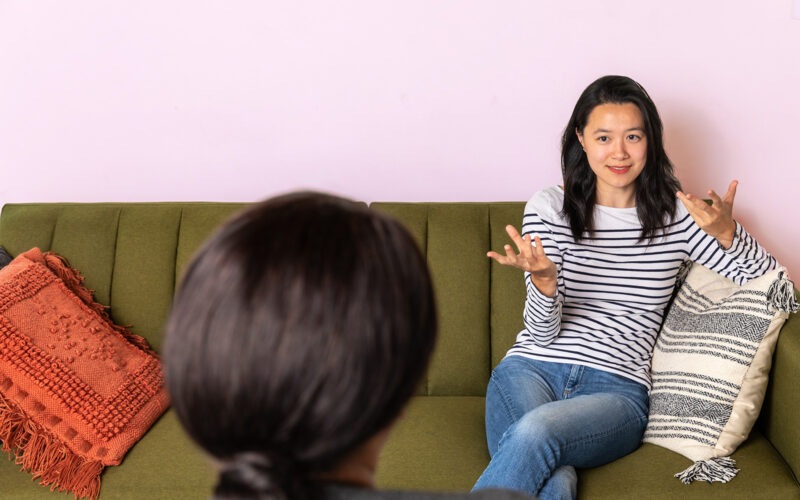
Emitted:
<point x="299" y="333"/>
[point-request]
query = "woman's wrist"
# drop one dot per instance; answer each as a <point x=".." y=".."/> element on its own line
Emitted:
<point x="726" y="239"/>
<point x="546" y="286"/>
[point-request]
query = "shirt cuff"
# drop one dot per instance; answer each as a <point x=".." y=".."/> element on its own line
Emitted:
<point x="537" y="294"/>
<point x="738" y="242"/>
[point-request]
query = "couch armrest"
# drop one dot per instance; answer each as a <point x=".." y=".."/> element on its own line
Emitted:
<point x="779" y="418"/>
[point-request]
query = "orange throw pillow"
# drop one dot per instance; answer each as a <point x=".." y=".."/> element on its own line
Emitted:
<point x="76" y="390"/>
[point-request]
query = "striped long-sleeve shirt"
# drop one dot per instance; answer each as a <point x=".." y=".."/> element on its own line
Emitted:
<point x="612" y="288"/>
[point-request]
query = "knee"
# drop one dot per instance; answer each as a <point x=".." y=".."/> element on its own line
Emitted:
<point x="538" y="427"/>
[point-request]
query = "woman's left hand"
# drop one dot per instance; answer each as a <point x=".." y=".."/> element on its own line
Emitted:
<point x="715" y="219"/>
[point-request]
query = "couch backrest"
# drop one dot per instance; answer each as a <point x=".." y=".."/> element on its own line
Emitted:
<point x="480" y="313"/>
<point x="130" y="253"/>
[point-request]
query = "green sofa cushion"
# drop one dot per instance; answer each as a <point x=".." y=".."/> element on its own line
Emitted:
<point x="763" y="474"/>
<point x="438" y="444"/>
<point x="779" y="419"/>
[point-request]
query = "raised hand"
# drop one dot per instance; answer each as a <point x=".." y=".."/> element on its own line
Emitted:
<point x="715" y="219"/>
<point x="531" y="258"/>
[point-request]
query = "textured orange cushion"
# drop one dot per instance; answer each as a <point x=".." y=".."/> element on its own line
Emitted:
<point x="76" y="391"/>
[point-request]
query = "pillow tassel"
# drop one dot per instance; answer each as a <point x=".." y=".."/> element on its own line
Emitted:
<point x="683" y="271"/>
<point x="45" y="456"/>
<point x="721" y="469"/>
<point x="780" y="295"/>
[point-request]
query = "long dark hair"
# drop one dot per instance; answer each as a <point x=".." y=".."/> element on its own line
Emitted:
<point x="300" y="330"/>
<point x="656" y="185"/>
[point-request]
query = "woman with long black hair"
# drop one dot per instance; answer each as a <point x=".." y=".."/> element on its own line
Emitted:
<point x="600" y="256"/>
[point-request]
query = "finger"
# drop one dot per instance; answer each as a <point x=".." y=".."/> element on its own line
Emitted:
<point x="539" y="249"/>
<point x="526" y="249"/>
<point x="692" y="203"/>
<point x="505" y="261"/>
<point x="514" y="235"/>
<point x="701" y="205"/>
<point x="500" y="259"/>
<point x="683" y="199"/>
<point x="510" y="253"/>
<point x="715" y="199"/>
<point x="689" y="199"/>
<point x="731" y="194"/>
<point x="697" y="211"/>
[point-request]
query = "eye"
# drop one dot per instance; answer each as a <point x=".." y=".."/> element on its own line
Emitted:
<point x="634" y="138"/>
<point x="603" y="138"/>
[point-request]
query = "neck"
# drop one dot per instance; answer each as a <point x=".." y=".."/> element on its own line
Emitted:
<point x="615" y="198"/>
<point x="358" y="468"/>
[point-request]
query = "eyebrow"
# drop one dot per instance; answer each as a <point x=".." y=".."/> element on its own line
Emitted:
<point x="606" y="131"/>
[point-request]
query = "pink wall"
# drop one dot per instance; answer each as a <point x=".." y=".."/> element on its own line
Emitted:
<point x="379" y="100"/>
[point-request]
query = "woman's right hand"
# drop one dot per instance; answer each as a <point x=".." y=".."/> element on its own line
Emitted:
<point x="531" y="258"/>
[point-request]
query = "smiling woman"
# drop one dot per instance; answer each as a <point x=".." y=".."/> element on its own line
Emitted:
<point x="616" y="148"/>
<point x="615" y="102"/>
<point x="573" y="390"/>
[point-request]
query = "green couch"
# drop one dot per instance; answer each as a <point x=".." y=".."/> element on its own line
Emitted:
<point x="132" y="254"/>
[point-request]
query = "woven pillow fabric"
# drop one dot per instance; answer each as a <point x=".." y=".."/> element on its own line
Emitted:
<point x="76" y="390"/>
<point x="711" y="365"/>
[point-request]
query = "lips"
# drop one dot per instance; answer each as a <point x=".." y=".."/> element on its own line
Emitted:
<point x="619" y="170"/>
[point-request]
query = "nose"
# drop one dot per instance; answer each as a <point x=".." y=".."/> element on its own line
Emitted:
<point x="619" y="152"/>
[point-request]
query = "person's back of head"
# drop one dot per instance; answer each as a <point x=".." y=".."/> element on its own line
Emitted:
<point x="300" y="330"/>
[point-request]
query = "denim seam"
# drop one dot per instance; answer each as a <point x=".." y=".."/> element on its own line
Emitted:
<point x="550" y="457"/>
<point x="593" y="437"/>
<point x="506" y="400"/>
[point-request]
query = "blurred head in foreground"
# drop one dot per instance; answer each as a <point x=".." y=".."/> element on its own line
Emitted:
<point x="300" y="331"/>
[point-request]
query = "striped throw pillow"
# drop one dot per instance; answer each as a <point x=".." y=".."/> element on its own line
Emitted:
<point x="711" y="365"/>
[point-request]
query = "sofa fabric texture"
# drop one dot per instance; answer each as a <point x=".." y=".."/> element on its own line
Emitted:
<point x="132" y="255"/>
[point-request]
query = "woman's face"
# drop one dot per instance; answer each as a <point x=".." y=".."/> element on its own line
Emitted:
<point x="616" y="147"/>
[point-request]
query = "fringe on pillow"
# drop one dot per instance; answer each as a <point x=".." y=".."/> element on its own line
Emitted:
<point x="45" y="456"/>
<point x="683" y="271"/>
<point x="74" y="281"/>
<point x="721" y="469"/>
<point x="780" y="295"/>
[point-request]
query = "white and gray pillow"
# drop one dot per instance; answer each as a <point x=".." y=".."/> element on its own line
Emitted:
<point x="711" y="365"/>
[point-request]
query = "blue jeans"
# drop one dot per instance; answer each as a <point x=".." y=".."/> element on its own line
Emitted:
<point x="544" y="419"/>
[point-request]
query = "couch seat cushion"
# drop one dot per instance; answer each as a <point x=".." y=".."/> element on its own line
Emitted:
<point x="764" y="474"/>
<point x="440" y="444"/>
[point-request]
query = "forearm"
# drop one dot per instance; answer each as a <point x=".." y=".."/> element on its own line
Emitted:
<point x="742" y="260"/>
<point x="542" y="314"/>
<point x="546" y="286"/>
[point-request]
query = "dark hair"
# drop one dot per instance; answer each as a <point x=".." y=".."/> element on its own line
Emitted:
<point x="300" y="330"/>
<point x="656" y="185"/>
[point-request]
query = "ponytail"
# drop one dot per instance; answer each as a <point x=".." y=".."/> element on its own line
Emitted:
<point x="252" y="475"/>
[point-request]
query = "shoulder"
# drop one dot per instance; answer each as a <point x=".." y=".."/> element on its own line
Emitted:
<point x="547" y="203"/>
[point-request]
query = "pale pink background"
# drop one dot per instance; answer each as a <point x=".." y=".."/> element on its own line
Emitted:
<point x="387" y="100"/>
